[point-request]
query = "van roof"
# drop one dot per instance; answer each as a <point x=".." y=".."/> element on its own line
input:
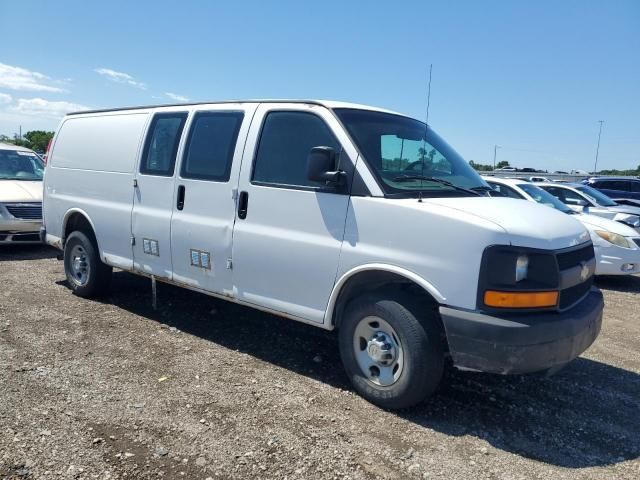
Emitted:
<point x="326" y="103"/>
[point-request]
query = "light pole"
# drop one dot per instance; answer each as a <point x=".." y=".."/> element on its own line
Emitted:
<point x="495" y="152"/>
<point x="595" y="166"/>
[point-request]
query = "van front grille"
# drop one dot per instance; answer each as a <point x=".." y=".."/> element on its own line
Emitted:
<point x="25" y="211"/>
<point x="568" y="260"/>
<point x="574" y="257"/>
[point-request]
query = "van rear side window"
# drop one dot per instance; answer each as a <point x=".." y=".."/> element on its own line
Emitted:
<point x="210" y="146"/>
<point x="161" y="145"/>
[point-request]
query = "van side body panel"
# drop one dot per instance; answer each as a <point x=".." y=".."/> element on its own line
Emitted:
<point x="90" y="170"/>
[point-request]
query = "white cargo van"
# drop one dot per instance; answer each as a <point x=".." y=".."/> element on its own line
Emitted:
<point x="337" y="215"/>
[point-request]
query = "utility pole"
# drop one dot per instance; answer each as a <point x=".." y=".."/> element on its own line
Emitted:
<point x="495" y="152"/>
<point x="595" y="167"/>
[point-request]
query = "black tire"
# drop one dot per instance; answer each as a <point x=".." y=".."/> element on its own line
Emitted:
<point x="420" y="338"/>
<point x="98" y="276"/>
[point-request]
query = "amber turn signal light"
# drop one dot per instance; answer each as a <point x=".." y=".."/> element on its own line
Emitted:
<point x="493" y="298"/>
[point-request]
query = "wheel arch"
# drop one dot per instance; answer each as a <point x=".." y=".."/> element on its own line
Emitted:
<point x="78" y="219"/>
<point x="370" y="277"/>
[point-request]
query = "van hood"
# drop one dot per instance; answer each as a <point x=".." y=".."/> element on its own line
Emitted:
<point x="20" y="191"/>
<point x="527" y="224"/>
<point x="594" y="222"/>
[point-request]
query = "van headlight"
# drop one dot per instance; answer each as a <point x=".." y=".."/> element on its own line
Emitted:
<point x="518" y="278"/>
<point x="522" y="267"/>
<point x="614" y="238"/>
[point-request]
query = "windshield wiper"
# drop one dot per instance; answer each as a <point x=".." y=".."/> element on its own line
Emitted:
<point x="409" y="178"/>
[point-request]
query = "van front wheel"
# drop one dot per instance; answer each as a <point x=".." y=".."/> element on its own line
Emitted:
<point x="391" y="349"/>
<point x="86" y="274"/>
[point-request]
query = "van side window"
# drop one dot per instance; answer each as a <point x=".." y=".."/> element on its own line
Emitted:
<point x="210" y="145"/>
<point x="285" y="142"/>
<point x="161" y="145"/>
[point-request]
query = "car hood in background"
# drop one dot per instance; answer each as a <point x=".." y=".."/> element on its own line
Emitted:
<point x="601" y="223"/>
<point x="20" y="191"/>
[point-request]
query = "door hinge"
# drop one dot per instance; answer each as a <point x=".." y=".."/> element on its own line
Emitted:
<point x="135" y="183"/>
<point x="133" y="240"/>
<point x="229" y="264"/>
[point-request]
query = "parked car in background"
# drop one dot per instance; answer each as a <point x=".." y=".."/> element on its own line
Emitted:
<point x="584" y="199"/>
<point x="619" y="189"/>
<point x="330" y="214"/>
<point x="617" y="246"/>
<point x="538" y="179"/>
<point x="506" y="169"/>
<point x="21" y="172"/>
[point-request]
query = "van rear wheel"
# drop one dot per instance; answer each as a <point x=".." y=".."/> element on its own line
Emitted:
<point x="391" y="349"/>
<point x="86" y="274"/>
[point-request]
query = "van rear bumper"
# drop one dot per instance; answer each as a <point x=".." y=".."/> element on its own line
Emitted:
<point x="522" y="343"/>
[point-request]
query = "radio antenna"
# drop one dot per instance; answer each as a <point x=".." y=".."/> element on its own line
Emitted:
<point x="429" y="93"/>
<point x="426" y="129"/>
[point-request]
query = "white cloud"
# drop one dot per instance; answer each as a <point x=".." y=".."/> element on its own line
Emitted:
<point x="120" y="77"/>
<point x="39" y="107"/>
<point x="176" y="97"/>
<point x="17" y="78"/>
<point x="5" y="98"/>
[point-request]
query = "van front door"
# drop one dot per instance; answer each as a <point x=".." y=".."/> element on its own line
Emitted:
<point x="153" y="198"/>
<point x="204" y="207"/>
<point x="289" y="230"/>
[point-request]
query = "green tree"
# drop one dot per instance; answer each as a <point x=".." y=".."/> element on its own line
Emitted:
<point x="38" y="140"/>
<point x="480" y="167"/>
<point x="502" y="164"/>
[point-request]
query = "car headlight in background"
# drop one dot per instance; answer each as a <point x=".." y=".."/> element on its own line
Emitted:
<point x="614" y="238"/>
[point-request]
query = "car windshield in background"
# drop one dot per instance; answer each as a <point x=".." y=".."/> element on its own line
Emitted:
<point x="544" y="197"/>
<point x="598" y="197"/>
<point x="403" y="155"/>
<point x="17" y="165"/>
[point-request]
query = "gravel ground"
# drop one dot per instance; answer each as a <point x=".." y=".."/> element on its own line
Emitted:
<point x="203" y="389"/>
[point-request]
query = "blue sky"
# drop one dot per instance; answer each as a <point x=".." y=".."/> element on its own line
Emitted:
<point x="532" y="76"/>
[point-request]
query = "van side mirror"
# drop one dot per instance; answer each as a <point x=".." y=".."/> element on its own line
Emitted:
<point x="321" y="165"/>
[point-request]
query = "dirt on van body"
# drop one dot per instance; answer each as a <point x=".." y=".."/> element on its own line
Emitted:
<point x="201" y="388"/>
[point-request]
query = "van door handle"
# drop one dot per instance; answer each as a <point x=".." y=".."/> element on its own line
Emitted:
<point x="180" y="204"/>
<point x="243" y="204"/>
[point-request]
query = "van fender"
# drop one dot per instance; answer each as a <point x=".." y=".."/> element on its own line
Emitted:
<point x="328" y="321"/>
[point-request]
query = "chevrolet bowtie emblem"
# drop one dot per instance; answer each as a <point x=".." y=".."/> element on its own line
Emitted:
<point x="584" y="273"/>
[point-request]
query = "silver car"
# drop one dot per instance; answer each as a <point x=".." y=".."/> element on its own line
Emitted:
<point x="585" y="199"/>
<point x="21" y="172"/>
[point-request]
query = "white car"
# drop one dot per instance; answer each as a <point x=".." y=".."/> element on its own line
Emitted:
<point x="585" y="199"/>
<point x="21" y="173"/>
<point x="617" y="246"/>
<point x="338" y="215"/>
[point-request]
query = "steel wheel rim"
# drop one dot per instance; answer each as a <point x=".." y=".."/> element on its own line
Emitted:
<point x="79" y="266"/>
<point x="378" y="351"/>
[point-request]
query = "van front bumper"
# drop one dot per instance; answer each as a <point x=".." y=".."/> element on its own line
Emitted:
<point x="522" y="343"/>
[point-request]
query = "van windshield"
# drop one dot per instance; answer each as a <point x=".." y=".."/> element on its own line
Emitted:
<point x="18" y="165"/>
<point x="403" y="155"/>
